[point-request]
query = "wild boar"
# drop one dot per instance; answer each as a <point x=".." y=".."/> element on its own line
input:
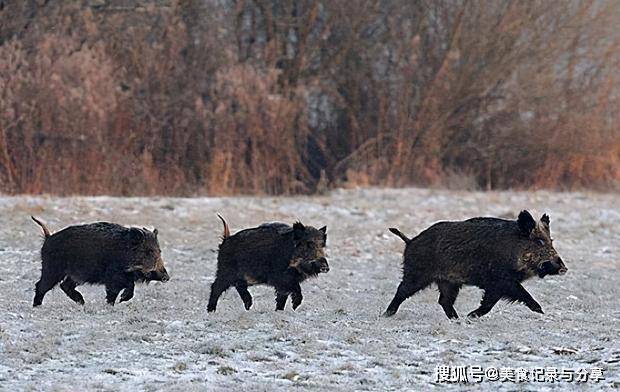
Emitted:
<point x="493" y="254"/>
<point x="274" y="254"/>
<point x="99" y="253"/>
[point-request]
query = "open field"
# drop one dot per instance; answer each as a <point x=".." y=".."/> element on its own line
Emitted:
<point x="164" y="338"/>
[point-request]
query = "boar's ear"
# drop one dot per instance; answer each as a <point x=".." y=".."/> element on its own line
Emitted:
<point x="324" y="231"/>
<point x="136" y="236"/>
<point x="155" y="232"/>
<point x="545" y="222"/>
<point x="298" y="230"/>
<point x="526" y="222"/>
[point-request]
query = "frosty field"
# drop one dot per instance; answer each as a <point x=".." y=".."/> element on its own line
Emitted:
<point x="163" y="339"/>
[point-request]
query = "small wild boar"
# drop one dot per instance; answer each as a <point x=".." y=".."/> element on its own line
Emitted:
<point x="274" y="254"/>
<point x="494" y="254"/>
<point x="99" y="253"/>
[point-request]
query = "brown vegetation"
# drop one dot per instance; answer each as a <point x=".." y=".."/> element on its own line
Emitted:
<point x="262" y="96"/>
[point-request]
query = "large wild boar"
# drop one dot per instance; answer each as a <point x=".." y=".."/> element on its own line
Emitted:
<point x="99" y="253"/>
<point x="274" y="254"/>
<point x="494" y="254"/>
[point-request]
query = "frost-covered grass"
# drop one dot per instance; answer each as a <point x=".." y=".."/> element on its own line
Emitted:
<point x="164" y="338"/>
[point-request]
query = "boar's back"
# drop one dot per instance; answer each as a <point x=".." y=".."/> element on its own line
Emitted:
<point x="270" y="244"/>
<point x="97" y="230"/>
<point x="84" y="251"/>
<point x="267" y="235"/>
<point x="470" y="241"/>
<point x="279" y="227"/>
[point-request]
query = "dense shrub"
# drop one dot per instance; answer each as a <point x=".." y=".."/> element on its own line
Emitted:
<point x="262" y="96"/>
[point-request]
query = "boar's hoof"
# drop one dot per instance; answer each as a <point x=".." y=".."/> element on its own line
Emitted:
<point x="452" y="315"/>
<point x="537" y="309"/>
<point x="125" y="297"/>
<point x="389" y="313"/>
<point x="476" y="314"/>
<point x="247" y="305"/>
<point x="297" y="298"/>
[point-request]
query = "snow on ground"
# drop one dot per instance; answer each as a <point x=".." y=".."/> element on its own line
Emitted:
<point x="164" y="338"/>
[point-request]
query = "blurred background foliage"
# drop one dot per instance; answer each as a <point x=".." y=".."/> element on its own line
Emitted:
<point x="219" y="97"/>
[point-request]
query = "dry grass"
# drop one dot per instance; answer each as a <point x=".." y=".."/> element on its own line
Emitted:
<point x="183" y="98"/>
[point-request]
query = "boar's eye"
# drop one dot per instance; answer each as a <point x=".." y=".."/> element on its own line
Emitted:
<point x="541" y="242"/>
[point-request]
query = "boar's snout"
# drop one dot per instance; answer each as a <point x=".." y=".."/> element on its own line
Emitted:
<point x="558" y="267"/>
<point x="159" y="275"/>
<point x="164" y="276"/>
<point x="562" y="270"/>
<point x="323" y="265"/>
<point x="553" y="267"/>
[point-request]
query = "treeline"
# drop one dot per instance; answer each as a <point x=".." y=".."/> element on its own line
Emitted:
<point x="295" y="96"/>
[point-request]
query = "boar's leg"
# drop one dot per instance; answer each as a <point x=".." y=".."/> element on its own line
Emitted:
<point x="489" y="299"/>
<point x="68" y="286"/>
<point x="517" y="292"/>
<point x="447" y="296"/>
<point x="242" y="289"/>
<point x="49" y="279"/>
<point x="285" y="287"/>
<point x="296" y="296"/>
<point x="217" y="288"/>
<point x="281" y="297"/>
<point x="406" y="289"/>
<point x="127" y="293"/>
<point x="115" y="281"/>
<point x="111" y="292"/>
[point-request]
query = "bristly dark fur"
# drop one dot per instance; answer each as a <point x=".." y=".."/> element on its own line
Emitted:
<point x="99" y="253"/>
<point x="274" y="254"/>
<point x="493" y="254"/>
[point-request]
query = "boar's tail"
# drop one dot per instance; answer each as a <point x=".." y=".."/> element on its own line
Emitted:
<point x="226" y="229"/>
<point x="45" y="229"/>
<point x="401" y="235"/>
